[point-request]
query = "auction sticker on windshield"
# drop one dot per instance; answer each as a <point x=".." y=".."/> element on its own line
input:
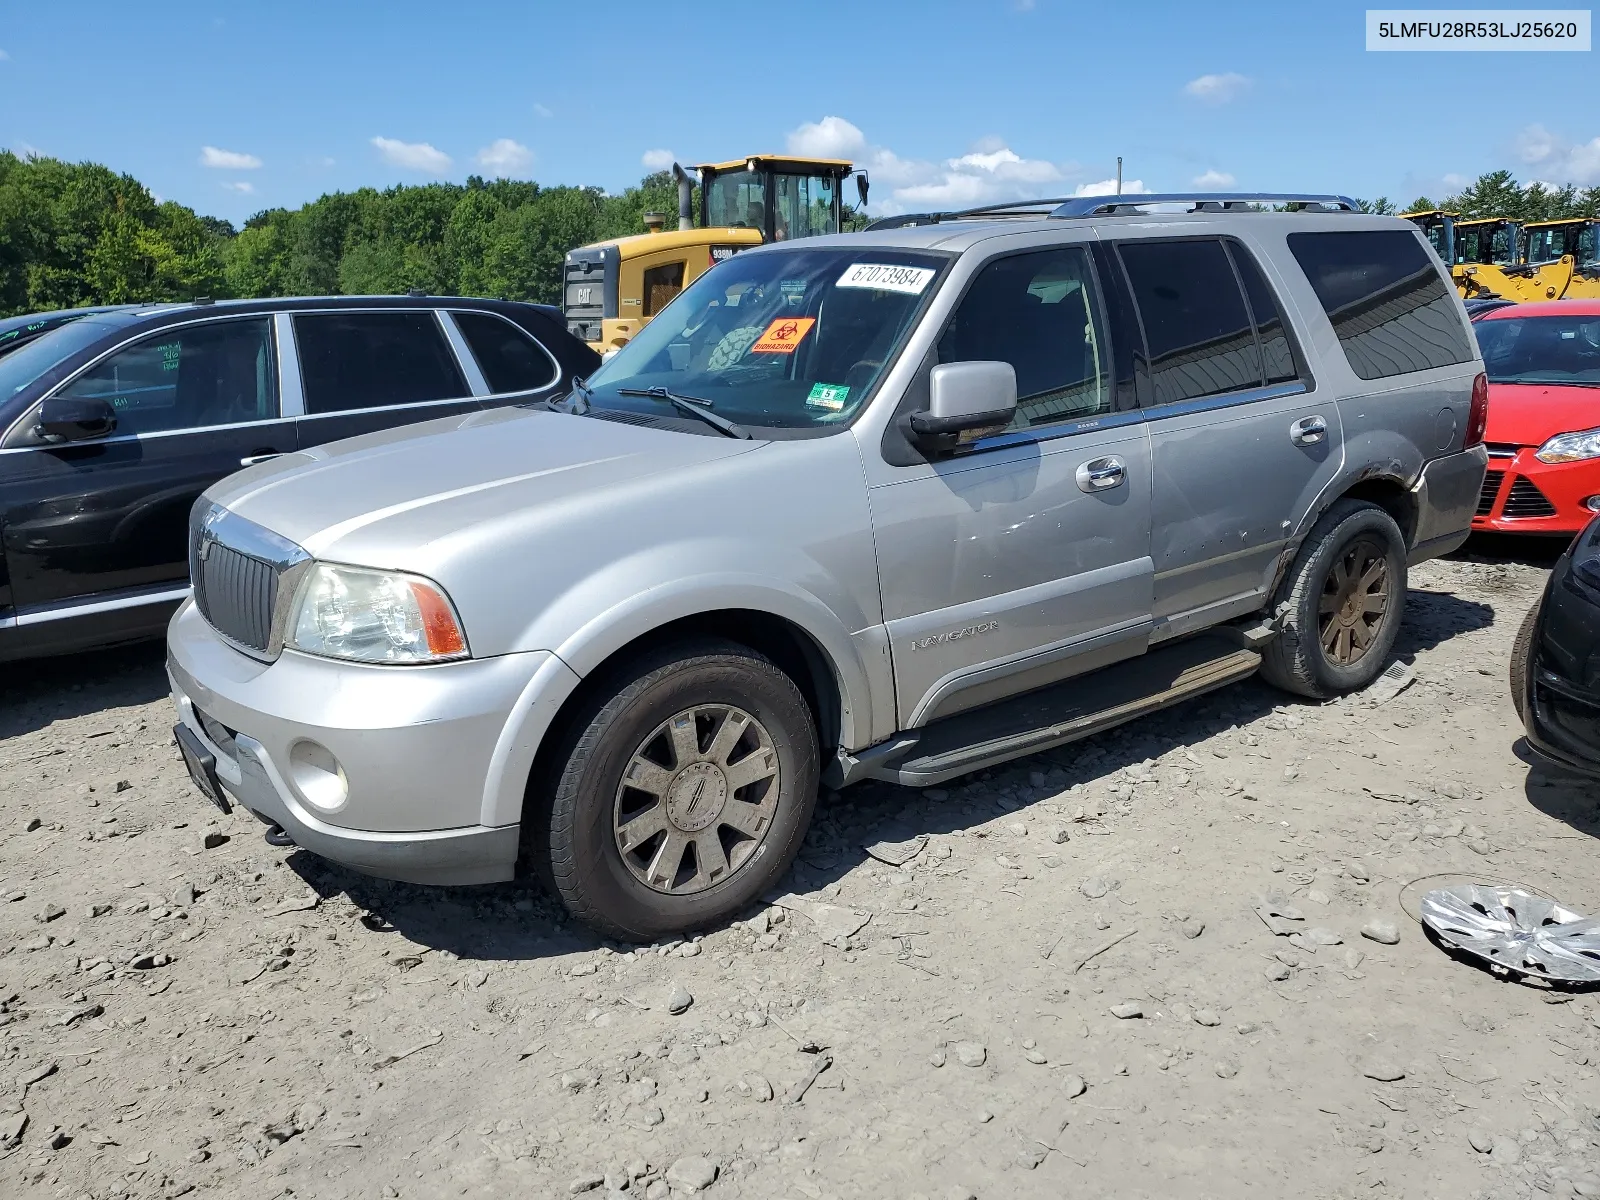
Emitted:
<point x="887" y="278"/>
<point x="783" y="335"/>
<point x="830" y="396"/>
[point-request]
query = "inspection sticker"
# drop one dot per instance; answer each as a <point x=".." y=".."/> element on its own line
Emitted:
<point x="783" y="335"/>
<point x="887" y="278"/>
<point x="830" y="396"/>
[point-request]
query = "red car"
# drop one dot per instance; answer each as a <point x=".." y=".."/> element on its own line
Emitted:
<point x="1543" y="362"/>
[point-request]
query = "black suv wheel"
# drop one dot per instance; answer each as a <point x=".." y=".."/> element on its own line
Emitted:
<point x="684" y="794"/>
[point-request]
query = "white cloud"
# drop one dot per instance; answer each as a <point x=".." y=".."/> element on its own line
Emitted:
<point x="413" y="156"/>
<point x="1217" y="89"/>
<point x="1212" y="180"/>
<point x="990" y="172"/>
<point x="227" y="160"/>
<point x="503" y="157"/>
<point x="1556" y="158"/>
<point x="1108" y="187"/>
<point x="241" y="185"/>
<point x="540" y="110"/>
<point x="657" y="160"/>
<point x="4" y="56"/>
<point x="1023" y="5"/>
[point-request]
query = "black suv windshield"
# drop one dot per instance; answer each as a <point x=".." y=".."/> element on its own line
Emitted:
<point x="783" y="339"/>
<point x="1541" y="349"/>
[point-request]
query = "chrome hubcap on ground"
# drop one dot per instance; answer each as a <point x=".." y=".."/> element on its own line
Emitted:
<point x="697" y="799"/>
<point x="1355" y="600"/>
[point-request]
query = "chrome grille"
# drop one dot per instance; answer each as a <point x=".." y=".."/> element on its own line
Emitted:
<point x="244" y="577"/>
<point x="1526" y="500"/>
<point x="237" y="595"/>
<point x="1490" y="493"/>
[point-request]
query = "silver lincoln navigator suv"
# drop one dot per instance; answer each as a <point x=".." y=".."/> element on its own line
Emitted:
<point x="900" y="505"/>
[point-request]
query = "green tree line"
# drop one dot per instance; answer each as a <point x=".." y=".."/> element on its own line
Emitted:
<point x="78" y="233"/>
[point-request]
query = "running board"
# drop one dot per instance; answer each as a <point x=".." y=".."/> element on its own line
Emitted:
<point x="1065" y="712"/>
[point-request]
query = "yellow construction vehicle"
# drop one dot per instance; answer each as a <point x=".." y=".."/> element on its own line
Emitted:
<point x="1563" y="260"/>
<point x="1483" y="254"/>
<point x="611" y="289"/>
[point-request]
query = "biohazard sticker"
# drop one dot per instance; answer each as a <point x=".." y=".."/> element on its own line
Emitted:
<point x="783" y="335"/>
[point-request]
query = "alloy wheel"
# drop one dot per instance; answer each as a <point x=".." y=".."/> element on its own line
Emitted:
<point x="1354" y="602"/>
<point x="696" y="799"/>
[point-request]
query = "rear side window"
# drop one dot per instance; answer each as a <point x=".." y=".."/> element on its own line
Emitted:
<point x="1386" y="300"/>
<point x="1270" y="325"/>
<point x="1196" y="326"/>
<point x="511" y="361"/>
<point x="374" y="360"/>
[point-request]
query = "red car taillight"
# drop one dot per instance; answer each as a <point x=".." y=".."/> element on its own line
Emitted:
<point x="1478" y="413"/>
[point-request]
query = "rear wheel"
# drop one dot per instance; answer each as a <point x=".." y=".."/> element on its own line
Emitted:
<point x="685" y="795"/>
<point x="1342" y="603"/>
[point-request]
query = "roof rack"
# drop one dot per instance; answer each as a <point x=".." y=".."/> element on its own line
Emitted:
<point x="1066" y="207"/>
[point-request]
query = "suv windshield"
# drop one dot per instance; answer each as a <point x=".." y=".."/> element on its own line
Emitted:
<point x="1541" y="349"/>
<point x="33" y="358"/>
<point x="790" y="339"/>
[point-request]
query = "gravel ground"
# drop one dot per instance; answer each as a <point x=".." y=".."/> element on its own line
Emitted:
<point x="1045" y="979"/>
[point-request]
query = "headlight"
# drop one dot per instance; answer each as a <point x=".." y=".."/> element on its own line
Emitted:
<point x="1570" y="447"/>
<point x="375" y="616"/>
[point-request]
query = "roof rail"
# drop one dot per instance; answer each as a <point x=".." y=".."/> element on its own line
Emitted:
<point x="1012" y="208"/>
<point x="1203" y="202"/>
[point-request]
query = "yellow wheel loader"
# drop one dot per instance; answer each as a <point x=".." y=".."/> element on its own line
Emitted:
<point x="1563" y="260"/>
<point x="1483" y="255"/>
<point x="611" y="289"/>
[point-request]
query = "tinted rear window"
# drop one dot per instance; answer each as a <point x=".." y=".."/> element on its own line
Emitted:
<point x="1196" y="326"/>
<point x="1386" y="299"/>
<point x="511" y="361"/>
<point x="374" y="360"/>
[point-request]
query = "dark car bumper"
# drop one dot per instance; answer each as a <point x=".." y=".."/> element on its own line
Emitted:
<point x="1562" y="713"/>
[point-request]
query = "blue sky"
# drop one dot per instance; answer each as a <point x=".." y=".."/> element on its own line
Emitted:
<point x="233" y="107"/>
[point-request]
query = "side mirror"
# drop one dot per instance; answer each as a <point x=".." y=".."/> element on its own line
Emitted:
<point x="75" y="419"/>
<point x="966" y="401"/>
<point x="861" y="187"/>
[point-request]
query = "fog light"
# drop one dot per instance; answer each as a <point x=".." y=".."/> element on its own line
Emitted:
<point x="317" y="776"/>
<point x="1592" y="503"/>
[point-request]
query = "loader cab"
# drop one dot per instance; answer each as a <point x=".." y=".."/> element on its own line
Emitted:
<point x="1549" y="241"/>
<point x="782" y="198"/>
<point x="1496" y="241"/>
<point x="1440" y="228"/>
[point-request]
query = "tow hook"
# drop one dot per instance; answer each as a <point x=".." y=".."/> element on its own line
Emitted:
<point x="276" y="836"/>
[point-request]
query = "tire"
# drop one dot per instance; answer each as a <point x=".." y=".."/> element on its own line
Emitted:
<point x="1351" y="532"/>
<point x="1522" y="660"/>
<point x="695" y="796"/>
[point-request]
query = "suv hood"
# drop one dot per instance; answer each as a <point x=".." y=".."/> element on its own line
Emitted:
<point x="1530" y="414"/>
<point x="413" y="484"/>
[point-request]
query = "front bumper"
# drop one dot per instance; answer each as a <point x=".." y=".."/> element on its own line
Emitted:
<point x="413" y="747"/>
<point x="1523" y="495"/>
<point x="1561" y="715"/>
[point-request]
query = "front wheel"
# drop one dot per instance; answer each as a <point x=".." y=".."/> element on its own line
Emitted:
<point x="1341" y="604"/>
<point x="1522" y="660"/>
<point x="685" y="795"/>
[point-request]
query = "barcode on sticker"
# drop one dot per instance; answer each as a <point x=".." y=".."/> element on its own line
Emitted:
<point x="887" y="278"/>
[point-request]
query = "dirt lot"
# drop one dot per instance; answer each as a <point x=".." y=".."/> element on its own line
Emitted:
<point x="186" y="1009"/>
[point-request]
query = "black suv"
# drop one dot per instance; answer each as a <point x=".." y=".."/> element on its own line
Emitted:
<point x="113" y="420"/>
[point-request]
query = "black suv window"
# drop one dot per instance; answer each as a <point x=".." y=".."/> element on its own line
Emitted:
<point x="1271" y="328"/>
<point x="374" y="360"/>
<point x="1040" y="313"/>
<point x="1196" y="326"/>
<point x="216" y="373"/>
<point x="511" y="361"/>
<point x="1386" y="299"/>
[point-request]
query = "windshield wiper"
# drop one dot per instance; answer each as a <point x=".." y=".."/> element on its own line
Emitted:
<point x="693" y="407"/>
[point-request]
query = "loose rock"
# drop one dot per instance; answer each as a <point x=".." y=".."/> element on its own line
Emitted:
<point x="1127" y="1011"/>
<point x="679" y="999"/>
<point x="1380" y="930"/>
<point x="970" y="1054"/>
<point x="692" y="1174"/>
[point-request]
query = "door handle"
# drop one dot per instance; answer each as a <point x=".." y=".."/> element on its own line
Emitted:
<point x="1101" y="474"/>
<point x="1308" y="431"/>
<point x="251" y="460"/>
